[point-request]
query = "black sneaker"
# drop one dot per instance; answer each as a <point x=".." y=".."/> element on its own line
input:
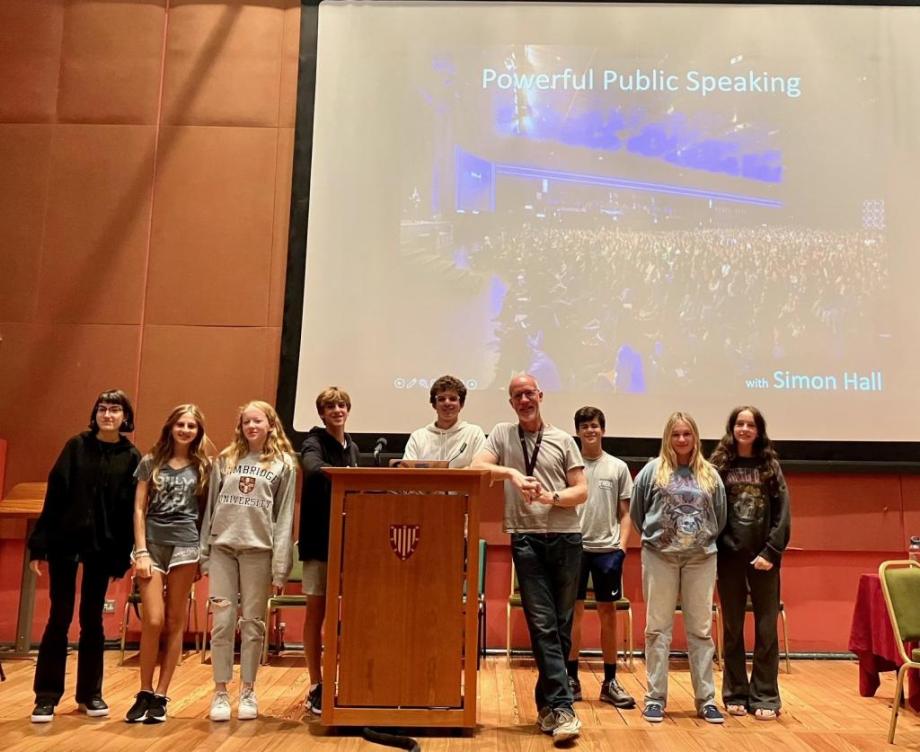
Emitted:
<point x="95" y="708"/>
<point x="613" y="693"/>
<point x="156" y="712"/>
<point x="314" y="701"/>
<point x="575" y="687"/>
<point x="138" y="711"/>
<point x="43" y="712"/>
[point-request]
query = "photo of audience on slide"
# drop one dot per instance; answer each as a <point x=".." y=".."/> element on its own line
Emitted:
<point x="648" y="228"/>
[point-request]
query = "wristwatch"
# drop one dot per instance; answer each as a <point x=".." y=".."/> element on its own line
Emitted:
<point x="556" y="498"/>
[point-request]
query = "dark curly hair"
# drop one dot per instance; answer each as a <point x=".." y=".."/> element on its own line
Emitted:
<point x="727" y="451"/>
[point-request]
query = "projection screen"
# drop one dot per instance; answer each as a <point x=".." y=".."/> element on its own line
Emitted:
<point x="648" y="207"/>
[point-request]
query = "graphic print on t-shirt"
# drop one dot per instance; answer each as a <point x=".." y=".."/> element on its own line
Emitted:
<point x="684" y="521"/>
<point x="745" y="496"/>
<point x="173" y="494"/>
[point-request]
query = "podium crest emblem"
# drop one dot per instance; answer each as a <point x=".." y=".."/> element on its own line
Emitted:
<point x="404" y="540"/>
<point x="247" y="483"/>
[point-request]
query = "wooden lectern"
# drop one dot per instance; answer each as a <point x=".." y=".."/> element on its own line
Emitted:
<point x="401" y="606"/>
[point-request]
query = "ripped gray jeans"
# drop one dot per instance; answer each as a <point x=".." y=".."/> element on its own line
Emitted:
<point x="240" y="577"/>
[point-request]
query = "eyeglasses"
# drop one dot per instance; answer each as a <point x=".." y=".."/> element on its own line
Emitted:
<point x="110" y="409"/>
<point x="529" y="394"/>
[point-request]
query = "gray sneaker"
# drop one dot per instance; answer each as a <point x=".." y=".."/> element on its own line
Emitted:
<point x="613" y="693"/>
<point x="568" y="726"/>
<point x="546" y="719"/>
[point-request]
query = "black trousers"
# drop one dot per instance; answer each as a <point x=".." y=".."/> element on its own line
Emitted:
<point x="52" y="655"/>
<point x="736" y="577"/>
<point x="547" y="566"/>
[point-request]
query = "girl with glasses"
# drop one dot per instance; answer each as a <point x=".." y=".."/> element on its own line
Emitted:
<point x="86" y="519"/>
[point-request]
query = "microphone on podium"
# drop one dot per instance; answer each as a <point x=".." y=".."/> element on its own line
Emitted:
<point x="378" y="448"/>
<point x="459" y="452"/>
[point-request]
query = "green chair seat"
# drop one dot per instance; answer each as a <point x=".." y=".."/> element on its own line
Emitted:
<point x="287" y="599"/>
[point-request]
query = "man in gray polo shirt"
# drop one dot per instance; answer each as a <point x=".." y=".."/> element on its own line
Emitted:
<point x="544" y="481"/>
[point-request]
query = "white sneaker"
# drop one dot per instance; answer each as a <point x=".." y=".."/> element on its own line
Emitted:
<point x="248" y="709"/>
<point x="568" y="726"/>
<point x="220" y="707"/>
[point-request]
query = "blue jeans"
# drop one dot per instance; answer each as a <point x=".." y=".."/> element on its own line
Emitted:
<point x="547" y="566"/>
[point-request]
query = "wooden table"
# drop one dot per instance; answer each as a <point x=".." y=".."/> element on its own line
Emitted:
<point x="24" y="502"/>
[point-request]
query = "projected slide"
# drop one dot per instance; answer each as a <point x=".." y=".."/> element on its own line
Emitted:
<point x="648" y="208"/>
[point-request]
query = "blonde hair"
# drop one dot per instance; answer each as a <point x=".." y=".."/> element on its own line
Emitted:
<point x="163" y="451"/>
<point x="277" y="446"/>
<point x="704" y="473"/>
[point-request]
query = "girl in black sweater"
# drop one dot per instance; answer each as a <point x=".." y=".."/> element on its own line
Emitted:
<point x="87" y="517"/>
<point x="750" y="552"/>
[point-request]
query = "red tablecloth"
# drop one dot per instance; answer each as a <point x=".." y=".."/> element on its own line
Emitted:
<point x="872" y="639"/>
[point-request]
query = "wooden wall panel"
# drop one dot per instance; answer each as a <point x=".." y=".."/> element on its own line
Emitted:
<point x="96" y="224"/>
<point x="290" y="61"/>
<point x="223" y="63"/>
<point x="212" y="226"/>
<point x="24" y="163"/>
<point x="52" y="374"/>
<point x="30" y="51"/>
<point x="284" y="163"/>
<point x="846" y="512"/>
<point x="111" y="60"/>
<point x="218" y="368"/>
<point x="910" y="493"/>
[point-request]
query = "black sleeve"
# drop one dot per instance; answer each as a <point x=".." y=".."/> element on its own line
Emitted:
<point x="56" y="498"/>
<point x="124" y="523"/>
<point x="312" y="458"/>
<point x="780" y="521"/>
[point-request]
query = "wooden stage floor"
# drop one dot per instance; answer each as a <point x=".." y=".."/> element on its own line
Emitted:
<point x="823" y="713"/>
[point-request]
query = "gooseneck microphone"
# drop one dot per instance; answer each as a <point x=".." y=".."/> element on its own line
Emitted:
<point x="378" y="448"/>
<point x="459" y="452"/>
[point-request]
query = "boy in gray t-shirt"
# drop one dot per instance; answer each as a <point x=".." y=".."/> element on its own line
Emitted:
<point x="605" y="530"/>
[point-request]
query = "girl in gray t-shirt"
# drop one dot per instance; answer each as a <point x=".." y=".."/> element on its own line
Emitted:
<point x="171" y="482"/>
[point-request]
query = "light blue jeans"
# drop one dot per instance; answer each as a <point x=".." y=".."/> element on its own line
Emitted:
<point x="238" y="583"/>
<point x="669" y="579"/>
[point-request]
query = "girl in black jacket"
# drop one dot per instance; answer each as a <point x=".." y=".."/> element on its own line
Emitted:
<point x="87" y="517"/>
<point x="750" y="551"/>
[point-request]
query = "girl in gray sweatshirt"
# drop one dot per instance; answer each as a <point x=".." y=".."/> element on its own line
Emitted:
<point x="678" y="506"/>
<point x="246" y="545"/>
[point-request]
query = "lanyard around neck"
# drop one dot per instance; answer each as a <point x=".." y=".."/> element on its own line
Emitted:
<point x="530" y="463"/>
